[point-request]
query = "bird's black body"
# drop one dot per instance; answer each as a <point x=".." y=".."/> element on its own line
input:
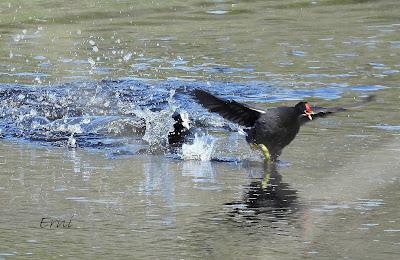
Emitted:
<point x="275" y="127"/>
<point x="176" y="137"/>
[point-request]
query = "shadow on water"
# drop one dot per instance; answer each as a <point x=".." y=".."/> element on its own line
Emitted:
<point x="267" y="198"/>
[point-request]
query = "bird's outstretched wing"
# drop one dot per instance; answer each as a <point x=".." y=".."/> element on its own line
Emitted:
<point x="325" y="111"/>
<point x="228" y="109"/>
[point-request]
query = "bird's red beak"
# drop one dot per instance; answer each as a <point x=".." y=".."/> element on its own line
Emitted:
<point x="308" y="112"/>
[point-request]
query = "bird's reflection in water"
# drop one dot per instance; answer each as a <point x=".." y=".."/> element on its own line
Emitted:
<point x="267" y="198"/>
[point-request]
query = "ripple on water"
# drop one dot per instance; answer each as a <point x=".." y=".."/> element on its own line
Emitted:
<point x="368" y="204"/>
<point x="217" y="12"/>
<point x="30" y="74"/>
<point x="331" y="207"/>
<point x="367" y="87"/>
<point x="387" y="127"/>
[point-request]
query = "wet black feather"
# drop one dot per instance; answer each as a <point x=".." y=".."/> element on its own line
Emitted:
<point x="228" y="109"/>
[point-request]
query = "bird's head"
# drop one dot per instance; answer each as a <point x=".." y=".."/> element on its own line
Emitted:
<point x="304" y="109"/>
<point x="182" y="118"/>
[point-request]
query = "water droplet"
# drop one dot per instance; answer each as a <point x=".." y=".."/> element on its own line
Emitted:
<point x="91" y="61"/>
<point x="127" y="56"/>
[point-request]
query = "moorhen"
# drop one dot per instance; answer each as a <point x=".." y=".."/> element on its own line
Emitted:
<point x="181" y="128"/>
<point x="272" y="129"/>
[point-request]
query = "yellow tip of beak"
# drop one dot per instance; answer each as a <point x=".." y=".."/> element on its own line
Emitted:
<point x="308" y="114"/>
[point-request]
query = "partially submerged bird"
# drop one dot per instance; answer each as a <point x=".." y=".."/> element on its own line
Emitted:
<point x="272" y="129"/>
<point x="181" y="128"/>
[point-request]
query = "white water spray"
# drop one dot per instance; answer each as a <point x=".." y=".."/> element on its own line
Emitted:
<point x="158" y="124"/>
<point x="201" y="149"/>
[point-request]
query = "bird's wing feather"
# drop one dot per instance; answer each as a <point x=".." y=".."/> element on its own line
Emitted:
<point x="325" y="111"/>
<point x="228" y="109"/>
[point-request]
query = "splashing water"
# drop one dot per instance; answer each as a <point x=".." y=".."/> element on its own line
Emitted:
<point x="158" y="124"/>
<point x="201" y="149"/>
<point x="113" y="113"/>
<point x="71" y="141"/>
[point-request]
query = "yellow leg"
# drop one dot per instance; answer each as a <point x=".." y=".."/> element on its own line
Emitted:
<point x="265" y="181"/>
<point x="253" y="146"/>
<point x="265" y="151"/>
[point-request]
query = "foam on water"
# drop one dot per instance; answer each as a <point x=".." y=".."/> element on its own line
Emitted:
<point x="201" y="149"/>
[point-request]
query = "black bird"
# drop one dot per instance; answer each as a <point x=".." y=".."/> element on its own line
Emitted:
<point x="273" y="129"/>
<point x="181" y="129"/>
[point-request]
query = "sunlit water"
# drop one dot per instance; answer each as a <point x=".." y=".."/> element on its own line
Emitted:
<point x="87" y="91"/>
